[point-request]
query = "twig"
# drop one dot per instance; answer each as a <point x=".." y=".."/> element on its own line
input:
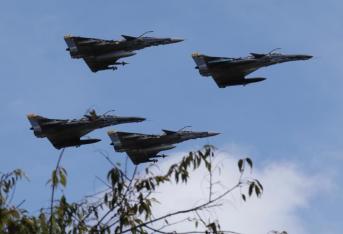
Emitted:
<point x="190" y="232"/>
<point x="126" y="191"/>
<point x="199" y="207"/>
<point x="113" y="164"/>
<point x="102" y="181"/>
<point x="19" y="205"/>
<point x="53" y="192"/>
<point x="210" y="172"/>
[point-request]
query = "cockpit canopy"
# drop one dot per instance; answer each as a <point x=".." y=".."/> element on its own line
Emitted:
<point x="256" y="55"/>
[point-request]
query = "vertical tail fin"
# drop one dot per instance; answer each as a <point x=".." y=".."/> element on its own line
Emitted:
<point x="72" y="47"/>
<point x="35" y="121"/>
<point x="201" y="64"/>
<point x="115" y="139"/>
<point x="69" y="40"/>
<point x="198" y="59"/>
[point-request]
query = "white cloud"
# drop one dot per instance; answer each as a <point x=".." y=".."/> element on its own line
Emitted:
<point x="286" y="190"/>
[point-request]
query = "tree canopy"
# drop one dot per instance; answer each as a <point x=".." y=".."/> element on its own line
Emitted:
<point x="126" y="204"/>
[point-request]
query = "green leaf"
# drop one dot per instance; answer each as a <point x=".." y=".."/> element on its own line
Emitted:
<point x="63" y="179"/>
<point x="54" y="178"/>
<point x="141" y="209"/>
<point x="208" y="165"/>
<point x="257" y="191"/>
<point x="240" y="165"/>
<point x="106" y="198"/>
<point x="64" y="171"/>
<point x="251" y="188"/>
<point x="259" y="184"/>
<point x="249" y="161"/>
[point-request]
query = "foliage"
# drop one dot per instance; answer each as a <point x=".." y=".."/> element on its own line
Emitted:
<point x="126" y="206"/>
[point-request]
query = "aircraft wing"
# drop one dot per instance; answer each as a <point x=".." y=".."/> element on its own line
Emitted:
<point x="59" y="141"/>
<point x="83" y="41"/>
<point x="64" y="134"/>
<point x="141" y="157"/>
<point x="139" y="147"/>
<point x="228" y="62"/>
<point x="54" y="122"/>
<point x="96" y="65"/>
<point x="125" y="136"/>
<point x="229" y="72"/>
<point x="137" y="138"/>
<point x="227" y="77"/>
<point x="132" y="141"/>
<point x="62" y="125"/>
<point x="84" y="46"/>
<point x="209" y="59"/>
<point x="148" y="154"/>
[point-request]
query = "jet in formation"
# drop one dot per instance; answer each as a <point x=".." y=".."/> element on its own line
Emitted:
<point x="102" y="54"/>
<point x="66" y="133"/>
<point x="232" y="71"/>
<point x="143" y="148"/>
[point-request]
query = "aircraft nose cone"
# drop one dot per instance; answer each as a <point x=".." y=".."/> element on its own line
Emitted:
<point x="305" y="57"/>
<point x="213" y="133"/>
<point x="302" y="57"/>
<point x="177" y="40"/>
<point x="122" y="120"/>
<point x="136" y="119"/>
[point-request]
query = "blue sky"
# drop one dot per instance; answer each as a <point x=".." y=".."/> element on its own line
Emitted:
<point x="294" y="116"/>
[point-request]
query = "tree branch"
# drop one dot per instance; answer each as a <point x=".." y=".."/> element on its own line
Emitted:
<point x="53" y="192"/>
<point x="199" y="207"/>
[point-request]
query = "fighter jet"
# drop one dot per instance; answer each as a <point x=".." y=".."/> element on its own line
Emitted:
<point x="232" y="71"/>
<point x="143" y="148"/>
<point x="102" y="54"/>
<point x="65" y="133"/>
